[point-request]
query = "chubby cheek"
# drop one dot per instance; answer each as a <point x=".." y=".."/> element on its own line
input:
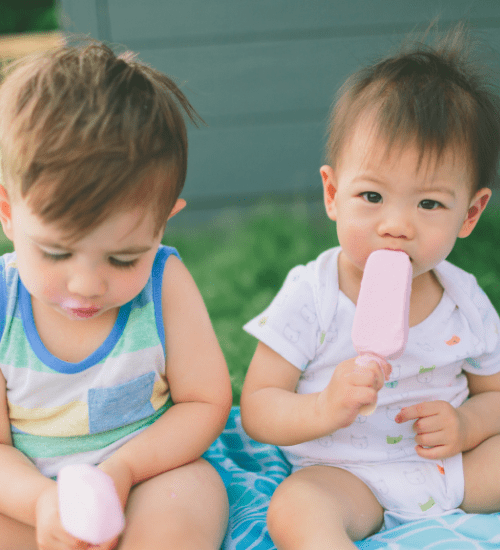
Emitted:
<point x="127" y="286"/>
<point x="51" y="287"/>
<point x="36" y="277"/>
<point x="355" y="242"/>
<point x="431" y="253"/>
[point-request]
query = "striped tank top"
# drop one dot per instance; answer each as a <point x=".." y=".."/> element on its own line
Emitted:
<point x="65" y="413"/>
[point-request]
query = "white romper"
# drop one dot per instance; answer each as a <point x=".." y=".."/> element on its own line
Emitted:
<point x="309" y="323"/>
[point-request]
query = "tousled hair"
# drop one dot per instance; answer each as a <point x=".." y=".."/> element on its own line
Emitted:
<point x="84" y="133"/>
<point x="432" y="97"/>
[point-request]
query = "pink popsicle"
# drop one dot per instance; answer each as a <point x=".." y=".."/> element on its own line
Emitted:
<point x="89" y="506"/>
<point x="380" y="327"/>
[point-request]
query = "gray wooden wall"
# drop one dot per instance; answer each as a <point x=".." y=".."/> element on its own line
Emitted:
<point x="262" y="73"/>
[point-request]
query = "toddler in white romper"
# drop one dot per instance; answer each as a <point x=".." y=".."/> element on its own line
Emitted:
<point x="309" y="323"/>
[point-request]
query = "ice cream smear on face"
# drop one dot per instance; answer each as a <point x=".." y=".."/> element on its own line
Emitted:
<point x="381" y="320"/>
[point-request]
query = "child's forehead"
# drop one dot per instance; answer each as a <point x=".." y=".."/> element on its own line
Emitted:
<point x="120" y="225"/>
<point x="75" y="214"/>
<point x="370" y="148"/>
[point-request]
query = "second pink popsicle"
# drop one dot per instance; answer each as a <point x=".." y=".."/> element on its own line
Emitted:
<point x="89" y="506"/>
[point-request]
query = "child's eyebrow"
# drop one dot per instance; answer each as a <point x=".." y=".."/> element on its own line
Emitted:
<point x="48" y="244"/>
<point x="368" y="177"/>
<point x="129" y="251"/>
<point x="374" y="179"/>
<point x="444" y="190"/>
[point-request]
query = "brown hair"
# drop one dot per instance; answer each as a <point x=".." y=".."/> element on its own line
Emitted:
<point x="84" y="132"/>
<point x="430" y="97"/>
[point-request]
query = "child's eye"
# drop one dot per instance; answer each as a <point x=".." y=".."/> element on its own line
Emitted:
<point x="428" y="204"/>
<point x="121" y="263"/>
<point x="55" y="257"/>
<point x="371" y="196"/>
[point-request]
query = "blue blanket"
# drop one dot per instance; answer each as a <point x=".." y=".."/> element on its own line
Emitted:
<point x="252" y="471"/>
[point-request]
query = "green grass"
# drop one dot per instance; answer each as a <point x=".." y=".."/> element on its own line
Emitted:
<point x="239" y="264"/>
<point x="240" y="261"/>
<point x="28" y="16"/>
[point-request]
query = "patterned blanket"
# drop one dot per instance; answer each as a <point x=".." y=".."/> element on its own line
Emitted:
<point x="252" y="471"/>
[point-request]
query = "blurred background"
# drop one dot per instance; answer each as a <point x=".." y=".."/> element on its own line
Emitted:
<point x="262" y="74"/>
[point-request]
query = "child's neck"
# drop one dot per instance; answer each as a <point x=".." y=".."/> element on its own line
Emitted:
<point x="71" y="340"/>
<point x="426" y="293"/>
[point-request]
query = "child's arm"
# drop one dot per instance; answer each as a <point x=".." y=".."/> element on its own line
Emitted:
<point x="443" y="431"/>
<point x="272" y="412"/>
<point x="21" y="482"/>
<point x="27" y="496"/>
<point x="199" y="384"/>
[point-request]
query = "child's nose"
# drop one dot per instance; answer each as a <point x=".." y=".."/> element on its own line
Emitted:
<point x="86" y="283"/>
<point x="396" y="224"/>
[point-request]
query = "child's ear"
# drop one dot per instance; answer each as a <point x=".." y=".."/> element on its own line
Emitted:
<point x="178" y="206"/>
<point x="5" y="212"/>
<point x="476" y="208"/>
<point x="329" y="190"/>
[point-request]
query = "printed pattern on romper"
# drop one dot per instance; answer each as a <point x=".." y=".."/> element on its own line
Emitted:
<point x="439" y="350"/>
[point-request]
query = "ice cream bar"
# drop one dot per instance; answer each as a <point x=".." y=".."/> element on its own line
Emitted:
<point x="89" y="506"/>
<point x="380" y="325"/>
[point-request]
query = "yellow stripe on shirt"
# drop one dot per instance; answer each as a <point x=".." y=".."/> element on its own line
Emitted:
<point x="63" y="421"/>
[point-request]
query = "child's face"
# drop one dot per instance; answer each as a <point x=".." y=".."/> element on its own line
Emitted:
<point x="96" y="274"/>
<point x="381" y="202"/>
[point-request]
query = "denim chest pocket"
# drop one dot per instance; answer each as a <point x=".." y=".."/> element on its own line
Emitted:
<point x="116" y="406"/>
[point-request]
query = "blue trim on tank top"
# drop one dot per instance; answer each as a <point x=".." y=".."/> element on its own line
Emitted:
<point x="54" y="362"/>
<point x="116" y="332"/>
<point x="162" y="256"/>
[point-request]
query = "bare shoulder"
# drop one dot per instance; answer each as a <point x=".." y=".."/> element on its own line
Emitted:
<point x="195" y="364"/>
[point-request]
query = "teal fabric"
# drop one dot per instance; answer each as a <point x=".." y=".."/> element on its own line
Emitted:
<point x="252" y="471"/>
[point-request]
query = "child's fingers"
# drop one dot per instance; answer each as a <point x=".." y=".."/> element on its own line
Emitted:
<point x="431" y="439"/>
<point x="368" y="358"/>
<point x="430" y="415"/>
<point x="109" y="545"/>
<point x="433" y="453"/>
<point x="414" y="412"/>
<point x="368" y="374"/>
<point x="61" y="541"/>
<point x="359" y="397"/>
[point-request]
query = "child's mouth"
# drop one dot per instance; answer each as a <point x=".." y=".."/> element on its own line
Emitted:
<point x="75" y="308"/>
<point x="84" y="313"/>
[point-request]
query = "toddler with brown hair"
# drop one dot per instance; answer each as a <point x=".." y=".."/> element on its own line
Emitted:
<point x="107" y="353"/>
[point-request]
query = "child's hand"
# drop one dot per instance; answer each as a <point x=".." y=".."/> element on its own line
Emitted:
<point x="439" y="428"/>
<point x="50" y="534"/>
<point x="352" y="386"/>
<point x="104" y="546"/>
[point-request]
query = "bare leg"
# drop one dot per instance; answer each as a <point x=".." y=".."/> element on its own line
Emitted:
<point x="482" y="478"/>
<point x="185" y="508"/>
<point x="321" y="507"/>
<point x="15" y="535"/>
